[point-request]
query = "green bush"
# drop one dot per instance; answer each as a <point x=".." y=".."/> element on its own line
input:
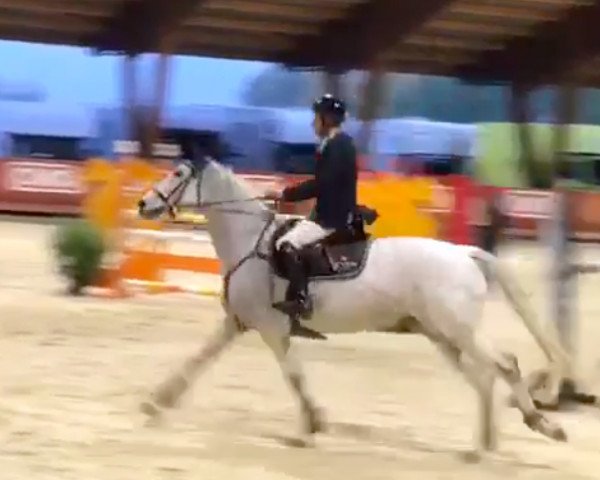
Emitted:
<point x="79" y="248"/>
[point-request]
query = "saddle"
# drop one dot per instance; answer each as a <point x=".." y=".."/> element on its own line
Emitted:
<point x="339" y="256"/>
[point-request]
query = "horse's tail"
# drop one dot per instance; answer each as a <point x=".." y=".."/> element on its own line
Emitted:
<point x="547" y="339"/>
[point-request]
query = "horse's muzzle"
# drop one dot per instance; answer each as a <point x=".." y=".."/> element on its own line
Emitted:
<point x="145" y="212"/>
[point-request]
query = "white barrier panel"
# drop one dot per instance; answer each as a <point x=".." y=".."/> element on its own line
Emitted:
<point x="169" y="235"/>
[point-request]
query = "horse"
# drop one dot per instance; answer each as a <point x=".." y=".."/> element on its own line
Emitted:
<point x="364" y="285"/>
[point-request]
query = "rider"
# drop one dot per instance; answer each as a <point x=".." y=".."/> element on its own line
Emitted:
<point x="334" y="187"/>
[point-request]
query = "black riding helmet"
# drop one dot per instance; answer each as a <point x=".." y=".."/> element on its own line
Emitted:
<point x="332" y="107"/>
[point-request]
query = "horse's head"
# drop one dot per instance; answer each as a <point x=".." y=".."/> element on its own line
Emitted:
<point x="204" y="183"/>
<point x="168" y="193"/>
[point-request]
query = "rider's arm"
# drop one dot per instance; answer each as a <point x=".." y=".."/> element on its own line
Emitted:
<point x="327" y="176"/>
<point x="300" y="192"/>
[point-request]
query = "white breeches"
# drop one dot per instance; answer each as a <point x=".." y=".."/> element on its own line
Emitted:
<point x="303" y="233"/>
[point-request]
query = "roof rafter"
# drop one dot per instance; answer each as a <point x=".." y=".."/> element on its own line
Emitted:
<point x="367" y="31"/>
<point x="140" y="25"/>
<point x="551" y="52"/>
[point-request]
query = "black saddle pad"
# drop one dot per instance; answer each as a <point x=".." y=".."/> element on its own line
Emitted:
<point x="341" y="261"/>
<point x="342" y="255"/>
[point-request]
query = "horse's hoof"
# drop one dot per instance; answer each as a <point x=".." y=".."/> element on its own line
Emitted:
<point x="489" y="443"/>
<point x="471" y="456"/>
<point x="316" y="421"/>
<point x="559" y="434"/>
<point x="151" y="409"/>
<point x="299" y="442"/>
<point x="541" y="424"/>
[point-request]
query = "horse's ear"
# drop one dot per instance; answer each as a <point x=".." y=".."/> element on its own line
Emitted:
<point x="201" y="162"/>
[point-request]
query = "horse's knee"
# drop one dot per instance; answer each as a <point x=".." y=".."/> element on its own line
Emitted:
<point x="450" y="352"/>
<point x="508" y="365"/>
<point x="296" y="381"/>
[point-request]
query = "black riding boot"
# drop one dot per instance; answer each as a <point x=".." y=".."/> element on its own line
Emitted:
<point x="298" y="302"/>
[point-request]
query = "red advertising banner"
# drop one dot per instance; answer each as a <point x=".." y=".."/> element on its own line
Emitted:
<point x="40" y="187"/>
<point x="57" y="187"/>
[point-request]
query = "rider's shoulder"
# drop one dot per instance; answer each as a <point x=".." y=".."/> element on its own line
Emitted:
<point x="342" y="138"/>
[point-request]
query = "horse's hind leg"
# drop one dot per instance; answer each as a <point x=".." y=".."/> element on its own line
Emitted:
<point x="483" y="383"/>
<point x="279" y="343"/>
<point x="533" y="418"/>
<point x="507" y="367"/>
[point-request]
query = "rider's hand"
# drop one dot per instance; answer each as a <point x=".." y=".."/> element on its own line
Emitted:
<point x="272" y="195"/>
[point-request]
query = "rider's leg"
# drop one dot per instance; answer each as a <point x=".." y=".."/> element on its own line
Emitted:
<point x="299" y="302"/>
<point x="304" y="233"/>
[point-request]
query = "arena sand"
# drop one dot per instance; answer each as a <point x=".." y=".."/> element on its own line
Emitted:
<point x="74" y="370"/>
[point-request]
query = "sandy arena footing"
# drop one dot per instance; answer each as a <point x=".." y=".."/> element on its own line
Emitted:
<point x="73" y="372"/>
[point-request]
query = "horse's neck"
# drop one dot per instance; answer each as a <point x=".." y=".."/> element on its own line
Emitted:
<point x="234" y="226"/>
<point x="234" y="235"/>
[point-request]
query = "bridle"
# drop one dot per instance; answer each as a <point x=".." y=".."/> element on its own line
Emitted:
<point x="174" y="196"/>
<point x="171" y="199"/>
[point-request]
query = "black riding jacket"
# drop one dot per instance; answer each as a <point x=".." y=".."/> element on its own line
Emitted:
<point x="334" y="185"/>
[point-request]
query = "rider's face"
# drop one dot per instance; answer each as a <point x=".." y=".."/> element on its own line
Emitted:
<point x="319" y="126"/>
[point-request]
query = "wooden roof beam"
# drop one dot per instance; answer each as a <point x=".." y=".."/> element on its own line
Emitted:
<point x="60" y="7"/>
<point x="61" y="23"/>
<point x="366" y="32"/>
<point x="270" y="42"/>
<point x="249" y="24"/>
<point x="502" y="12"/>
<point x="428" y="54"/>
<point x="443" y="40"/>
<point x="274" y="9"/>
<point x="480" y="28"/>
<point x="40" y="35"/>
<point x="140" y="26"/>
<point x="550" y="52"/>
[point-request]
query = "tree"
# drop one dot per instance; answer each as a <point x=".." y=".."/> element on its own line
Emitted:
<point x="436" y="98"/>
<point x="277" y="87"/>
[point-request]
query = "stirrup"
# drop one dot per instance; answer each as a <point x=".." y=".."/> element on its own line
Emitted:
<point x="295" y="308"/>
<point x="299" y="330"/>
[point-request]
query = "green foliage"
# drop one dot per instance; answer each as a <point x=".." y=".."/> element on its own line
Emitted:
<point x="79" y="249"/>
<point x="276" y="87"/>
<point x="436" y="98"/>
<point x="502" y="160"/>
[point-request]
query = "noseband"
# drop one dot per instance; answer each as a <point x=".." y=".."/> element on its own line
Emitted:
<point x="174" y="196"/>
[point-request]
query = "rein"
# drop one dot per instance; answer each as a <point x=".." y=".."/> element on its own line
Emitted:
<point x="255" y="251"/>
<point x="171" y="200"/>
<point x="180" y="188"/>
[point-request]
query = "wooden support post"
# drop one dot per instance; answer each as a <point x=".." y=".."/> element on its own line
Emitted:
<point x="566" y="272"/>
<point x="564" y="249"/>
<point x="519" y="110"/>
<point x="370" y="108"/>
<point x="332" y="83"/>
<point x="129" y="97"/>
<point x="563" y="391"/>
<point x="142" y="122"/>
<point x="159" y="99"/>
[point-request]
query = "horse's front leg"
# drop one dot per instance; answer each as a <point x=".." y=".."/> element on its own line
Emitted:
<point x="279" y="342"/>
<point x="168" y="393"/>
<point x="483" y="383"/>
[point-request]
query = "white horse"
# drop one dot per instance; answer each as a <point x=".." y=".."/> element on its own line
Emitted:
<point x="440" y="284"/>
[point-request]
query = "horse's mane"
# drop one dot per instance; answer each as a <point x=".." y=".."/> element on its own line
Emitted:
<point x="238" y="187"/>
